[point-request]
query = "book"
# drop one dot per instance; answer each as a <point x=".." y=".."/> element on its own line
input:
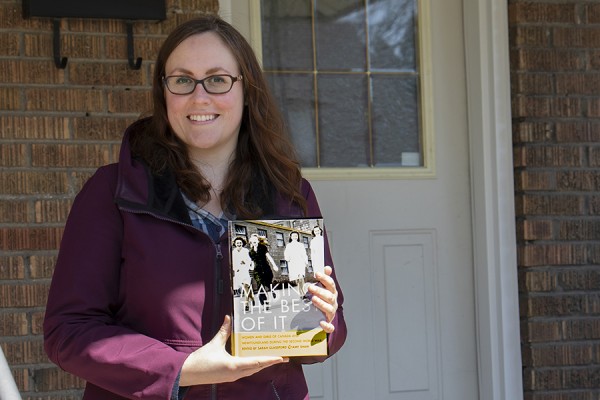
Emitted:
<point x="272" y="264"/>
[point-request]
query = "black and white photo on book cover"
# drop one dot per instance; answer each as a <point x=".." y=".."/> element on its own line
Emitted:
<point x="272" y="264"/>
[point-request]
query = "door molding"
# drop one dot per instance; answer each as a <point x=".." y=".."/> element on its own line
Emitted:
<point x="492" y="194"/>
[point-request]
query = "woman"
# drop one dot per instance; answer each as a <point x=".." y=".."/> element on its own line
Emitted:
<point x="264" y="265"/>
<point x="139" y="303"/>
<point x="297" y="260"/>
<point x="316" y="250"/>
<point x="241" y="264"/>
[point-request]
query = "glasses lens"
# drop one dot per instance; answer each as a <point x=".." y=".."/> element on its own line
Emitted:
<point x="180" y="84"/>
<point x="218" y="83"/>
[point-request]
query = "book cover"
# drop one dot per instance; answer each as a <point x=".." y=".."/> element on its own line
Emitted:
<point x="272" y="264"/>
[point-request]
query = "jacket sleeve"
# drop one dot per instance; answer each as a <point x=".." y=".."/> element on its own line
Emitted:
<point x="336" y="339"/>
<point x="81" y="334"/>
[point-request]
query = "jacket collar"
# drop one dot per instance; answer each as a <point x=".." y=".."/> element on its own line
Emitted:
<point x="140" y="190"/>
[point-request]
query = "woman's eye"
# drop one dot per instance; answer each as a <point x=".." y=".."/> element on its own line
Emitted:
<point x="183" y="80"/>
<point x="217" y="80"/>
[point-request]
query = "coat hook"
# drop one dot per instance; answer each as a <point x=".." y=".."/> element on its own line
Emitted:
<point x="138" y="63"/>
<point x="60" y="63"/>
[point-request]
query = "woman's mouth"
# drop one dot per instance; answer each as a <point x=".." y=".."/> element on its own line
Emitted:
<point x="202" y="118"/>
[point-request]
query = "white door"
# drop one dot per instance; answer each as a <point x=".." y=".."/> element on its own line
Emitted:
<point x="403" y="252"/>
<point x="403" y="248"/>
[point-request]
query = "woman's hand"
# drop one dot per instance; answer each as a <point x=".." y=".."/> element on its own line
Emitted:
<point x="325" y="298"/>
<point x="211" y="363"/>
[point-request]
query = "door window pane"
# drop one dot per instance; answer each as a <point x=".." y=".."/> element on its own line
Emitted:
<point x="295" y="93"/>
<point x="287" y="35"/>
<point x="343" y="120"/>
<point x="340" y="35"/>
<point x="392" y="35"/>
<point x="395" y="119"/>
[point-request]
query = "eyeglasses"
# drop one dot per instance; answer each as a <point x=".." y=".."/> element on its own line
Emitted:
<point x="214" y="84"/>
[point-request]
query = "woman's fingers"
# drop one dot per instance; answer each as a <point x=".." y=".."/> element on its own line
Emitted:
<point x="325" y="298"/>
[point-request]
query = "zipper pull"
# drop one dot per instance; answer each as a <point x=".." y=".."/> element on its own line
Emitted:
<point x="219" y="253"/>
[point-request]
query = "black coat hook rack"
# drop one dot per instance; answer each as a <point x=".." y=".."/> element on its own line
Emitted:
<point x="128" y="10"/>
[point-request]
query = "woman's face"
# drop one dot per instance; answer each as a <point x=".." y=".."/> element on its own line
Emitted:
<point x="208" y="124"/>
<point x="294" y="237"/>
<point x="317" y="231"/>
<point x="253" y="241"/>
<point x="239" y="244"/>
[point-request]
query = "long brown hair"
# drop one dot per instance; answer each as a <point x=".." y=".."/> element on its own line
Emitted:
<point x="265" y="160"/>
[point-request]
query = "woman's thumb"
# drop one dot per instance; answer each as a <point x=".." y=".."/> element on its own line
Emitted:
<point x="223" y="335"/>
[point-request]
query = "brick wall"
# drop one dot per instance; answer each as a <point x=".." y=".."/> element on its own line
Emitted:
<point x="56" y="127"/>
<point x="555" y="78"/>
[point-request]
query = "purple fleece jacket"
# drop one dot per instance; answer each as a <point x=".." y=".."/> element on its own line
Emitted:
<point x="137" y="288"/>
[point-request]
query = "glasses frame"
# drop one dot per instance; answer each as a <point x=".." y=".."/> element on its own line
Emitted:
<point x="234" y="79"/>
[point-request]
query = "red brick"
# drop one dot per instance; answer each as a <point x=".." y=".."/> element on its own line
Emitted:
<point x="23" y="295"/>
<point x="535" y="180"/>
<point x="552" y="205"/>
<point x="33" y="182"/>
<point x="55" y="379"/>
<point x="69" y="155"/>
<point x="25" y="352"/>
<point x="129" y="101"/>
<point x="577" y="83"/>
<point x="13" y="324"/>
<point x="563" y="354"/>
<point x="581" y="329"/>
<point x="9" y="44"/>
<point x="103" y="74"/>
<point x="544" y="107"/>
<point x="556" y="305"/>
<point x="574" y="37"/>
<point x="33" y="127"/>
<point x="14" y="211"/>
<point x="544" y="60"/>
<point x="37" y="323"/>
<point x="536" y="229"/>
<point x="540" y="281"/>
<point x="42" y="266"/>
<point x="593" y="13"/>
<point x="65" y="100"/>
<point x="579" y="279"/>
<point x="531" y="12"/>
<point x="43" y="238"/>
<point x="527" y="132"/>
<point x="594" y="202"/>
<point x="542" y="331"/>
<point x="529" y="36"/>
<point x="581" y="229"/>
<point x="594" y="156"/>
<point x="577" y="131"/>
<point x="549" y="156"/>
<point x="10" y="99"/>
<point x="52" y="210"/>
<point x="13" y="155"/>
<point x="12" y="267"/>
<point x="552" y="254"/>
<point x="100" y="128"/>
<point x="582" y="180"/>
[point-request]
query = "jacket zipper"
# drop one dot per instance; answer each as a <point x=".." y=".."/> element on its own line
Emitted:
<point x="219" y="284"/>
<point x="275" y="391"/>
<point x="218" y="268"/>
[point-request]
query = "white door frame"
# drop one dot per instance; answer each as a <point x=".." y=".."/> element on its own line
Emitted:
<point x="492" y="191"/>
